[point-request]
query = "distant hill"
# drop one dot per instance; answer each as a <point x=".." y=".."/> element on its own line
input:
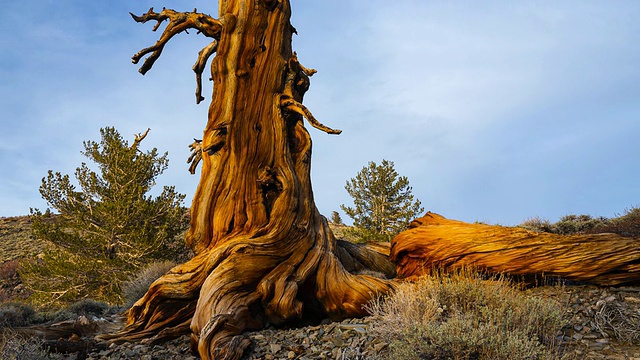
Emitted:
<point x="16" y="240"/>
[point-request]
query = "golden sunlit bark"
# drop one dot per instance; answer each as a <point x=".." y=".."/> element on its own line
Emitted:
<point x="433" y="242"/>
<point x="264" y="254"/>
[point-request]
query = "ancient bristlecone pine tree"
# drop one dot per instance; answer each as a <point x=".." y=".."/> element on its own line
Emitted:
<point x="264" y="254"/>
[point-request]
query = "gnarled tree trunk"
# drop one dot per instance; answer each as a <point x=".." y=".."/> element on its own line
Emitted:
<point x="264" y="254"/>
<point x="433" y="242"/>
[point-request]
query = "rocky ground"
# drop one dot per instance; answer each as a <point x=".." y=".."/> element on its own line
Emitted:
<point x="345" y="340"/>
<point x="602" y="324"/>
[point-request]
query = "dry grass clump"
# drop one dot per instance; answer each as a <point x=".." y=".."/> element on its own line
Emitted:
<point x="14" y="346"/>
<point x="537" y="224"/>
<point x="567" y="225"/>
<point x="138" y="284"/>
<point x="627" y="224"/>
<point x="462" y="316"/>
<point x="14" y="314"/>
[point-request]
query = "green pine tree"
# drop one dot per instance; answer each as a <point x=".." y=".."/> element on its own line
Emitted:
<point x="106" y="228"/>
<point x="383" y="203"/>
<point x="336" y="219"/>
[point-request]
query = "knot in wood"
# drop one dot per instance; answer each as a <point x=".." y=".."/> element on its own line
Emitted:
<point x="268" y="180"/>
<point x="271" y="4"/>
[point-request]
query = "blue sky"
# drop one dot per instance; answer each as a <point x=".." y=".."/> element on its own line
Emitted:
<point x="496" y="111"/>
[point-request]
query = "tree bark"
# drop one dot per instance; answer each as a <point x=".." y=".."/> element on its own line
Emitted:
<point x="264" y="254"/>
<point x="433" y="242"/>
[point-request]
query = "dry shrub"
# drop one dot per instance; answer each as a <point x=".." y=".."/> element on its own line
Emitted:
<point x="138" y="285"/>
<point x="13" y="314"/>
<point x="19" y="347"/>
<point x="537" y="224"/>
<point x="567" y="225"/>
<point x="621" y="320"/>
<point x="9" y="278"/>
<point x="9" y="270"/>
<point x="578" y="224"/>
<point x="627" y="224"/>
<point x="463" y="316"/>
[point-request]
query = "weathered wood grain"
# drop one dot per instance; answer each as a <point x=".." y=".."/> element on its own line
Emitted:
<point x="436" y="242"/>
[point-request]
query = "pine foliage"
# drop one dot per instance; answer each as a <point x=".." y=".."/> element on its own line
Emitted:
<point x="107" y="227"/>
<point x="336" y="219"/>
<point x="383" y="202"/>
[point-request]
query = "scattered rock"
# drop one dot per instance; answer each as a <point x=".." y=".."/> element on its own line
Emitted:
<point x="582" y="337"/>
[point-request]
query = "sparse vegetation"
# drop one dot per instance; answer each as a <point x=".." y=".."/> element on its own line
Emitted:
<point x="627" y="224"/>
<point x="18" y="240"/>
<point x="14" y="346"/>
<point x="537" y="224"/>
<point x="567" y="225"/>
<point x="137" y="285"/>
<point x="15" y="314"/>
<point x="463" y="316"/>
<point x="578" y="224"/>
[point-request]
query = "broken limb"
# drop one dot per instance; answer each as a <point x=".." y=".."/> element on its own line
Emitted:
<point x="292" y="105"/>
<point x="198" y="67"/>
<point x="196" y="155"/>
<point x="178" y="22"/>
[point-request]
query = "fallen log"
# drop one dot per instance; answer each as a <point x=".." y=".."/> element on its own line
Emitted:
<point x="434" y="242"/>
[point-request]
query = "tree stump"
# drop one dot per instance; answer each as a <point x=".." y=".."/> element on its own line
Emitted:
<point x="433" y="242"/>
<point x="264" y="254"/>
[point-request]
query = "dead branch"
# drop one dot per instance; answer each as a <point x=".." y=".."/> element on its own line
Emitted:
<point x="306" y="71"/>
<point x="198" y="67"/>
<point x="138" y="138"/>
<point x="292" y="105"/>
<point x="178" y="22"/>
<point x="196" y="155"/>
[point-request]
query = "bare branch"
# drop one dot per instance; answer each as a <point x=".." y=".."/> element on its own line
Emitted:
<point x="196" y="155"/>
<point x="293" y="105"/>
<point x="178" y="22"/>
<point x="198" y="67"/>
<point x="293" y="62"/>
<point x="138" y="138"/>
